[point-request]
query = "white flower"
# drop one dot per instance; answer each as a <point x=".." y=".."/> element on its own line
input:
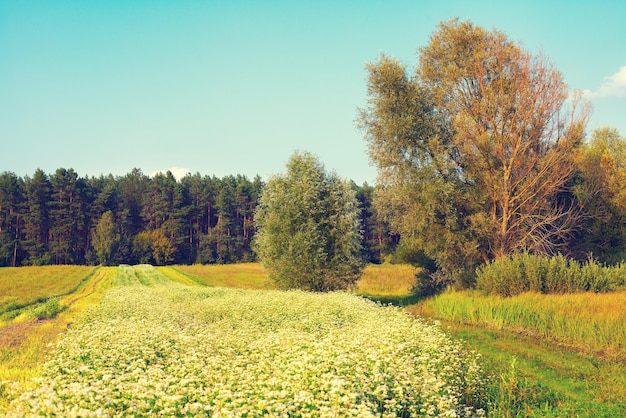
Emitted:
<point x="173" y="350"/>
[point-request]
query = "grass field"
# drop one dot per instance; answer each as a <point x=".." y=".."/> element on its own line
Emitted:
<point x="240" y="276"/>
<point x="388" y="283"/>
<point x="533" y="378"/>
<point x="21" y="287"/>
<point x="591" y="322"/>
<point x="531" y="369"/>
<point x="24" y="343"/>
<point x="154" y="346"/>
<point x="568" y="350"/>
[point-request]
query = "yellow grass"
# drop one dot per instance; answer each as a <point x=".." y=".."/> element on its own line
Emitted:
<point x="178" y="276"/>
<point x="387" y="280"/>
<point x="23" y="345"/>
<point x="241" y="276"/>
<point x="378" y="280"/>
<point x="589" y="321"/>
<point x="25" y="285"/>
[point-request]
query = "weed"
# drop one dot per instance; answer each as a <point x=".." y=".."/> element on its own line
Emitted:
<point x="50" y="309"/>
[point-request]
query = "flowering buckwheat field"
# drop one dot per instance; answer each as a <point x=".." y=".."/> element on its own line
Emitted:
<point x="156" y="347"/>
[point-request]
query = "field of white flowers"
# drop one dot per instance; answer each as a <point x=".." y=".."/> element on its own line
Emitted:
<point x="155" y="347"/>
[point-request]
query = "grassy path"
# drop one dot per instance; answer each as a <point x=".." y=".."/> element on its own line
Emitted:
<point x="535" y="377"/>
<point x="24" y="343"/>
<point x="24" y="288"/>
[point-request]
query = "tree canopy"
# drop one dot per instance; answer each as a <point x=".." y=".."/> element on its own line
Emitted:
<point x="474" y="148"/>
<point x="308" y="228"/>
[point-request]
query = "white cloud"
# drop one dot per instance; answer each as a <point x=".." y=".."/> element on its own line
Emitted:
<point x="613" y="85"/>
<point x="178" y="172"/>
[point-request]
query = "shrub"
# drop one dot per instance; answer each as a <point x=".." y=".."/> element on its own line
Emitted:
<point x="519" y="273"/>
<point x="50" y="309"/>
<point x="431" y="283"/>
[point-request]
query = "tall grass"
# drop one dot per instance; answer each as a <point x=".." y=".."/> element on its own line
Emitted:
<point x="588" y="321"/>
<point x="387" y="280"/>
<point x="529" y="378"/>
<point x="519" y="273"/>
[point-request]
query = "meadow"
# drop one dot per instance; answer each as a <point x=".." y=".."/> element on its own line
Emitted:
<point x="23" y="287"/>
<point x="240" y="276"/>
<point x="591" y="322"/>
<point x="388" y="283"/>
<point x="552" y="355"/>
<point x="154" y="345"/>
<point x="61" y="296"/>
<point x="220" y="341"/>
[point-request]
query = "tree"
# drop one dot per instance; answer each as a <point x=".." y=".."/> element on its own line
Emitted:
<point x="37" y="228"/>
<point x="378" y="242"/>
<point x="601" y="189"/>
<point x="153" y="246"/>
<point x="105" y="238"/>
<point x="11" y="218"/>
<point x="307" y="223"/>
<point x="69" y="215"/>
<point x="474" y="150"/>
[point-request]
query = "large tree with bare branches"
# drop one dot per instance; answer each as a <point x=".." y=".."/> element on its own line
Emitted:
<point x="474" y="149"/>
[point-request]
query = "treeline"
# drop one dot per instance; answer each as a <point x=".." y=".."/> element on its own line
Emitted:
<point x="63" y="218"/>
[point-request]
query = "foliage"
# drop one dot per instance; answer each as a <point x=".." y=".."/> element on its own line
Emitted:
<point x="169" y="349"/>
<point x="105" y="239"/>
<point x="53" y="219"/>
<point x="378" y="241"/>
<point x="50" y="309"/>
<point x="519" y="273"/>
<point x="154" y="247"/>
<point x="601" y="189"/>
<point x="474" y="153"/>
<point x="11" y="221"/>
<point x="431" y="283"/>
<point x="308" y="228"/>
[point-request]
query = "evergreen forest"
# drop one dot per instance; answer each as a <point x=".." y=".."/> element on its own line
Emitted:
<point x="63" y="218"/>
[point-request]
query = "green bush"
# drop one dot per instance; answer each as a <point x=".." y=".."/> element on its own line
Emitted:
<point x="519" y="273"/>
<point x="50" y="309"/>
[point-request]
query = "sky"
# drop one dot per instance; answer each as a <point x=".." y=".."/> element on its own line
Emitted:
<point x="236" y="87"/>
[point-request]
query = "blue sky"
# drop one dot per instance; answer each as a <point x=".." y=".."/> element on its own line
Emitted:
<point x="235" y="87"/>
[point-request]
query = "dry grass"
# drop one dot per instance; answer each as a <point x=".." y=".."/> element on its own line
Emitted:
<point x="380" y="281"/>
<point x="241" y="276"/>
<point x="23" y="345"/>
<point x="387" y="280"/>
<point x="593" y="322"/>
<point x="20" y="286"/>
